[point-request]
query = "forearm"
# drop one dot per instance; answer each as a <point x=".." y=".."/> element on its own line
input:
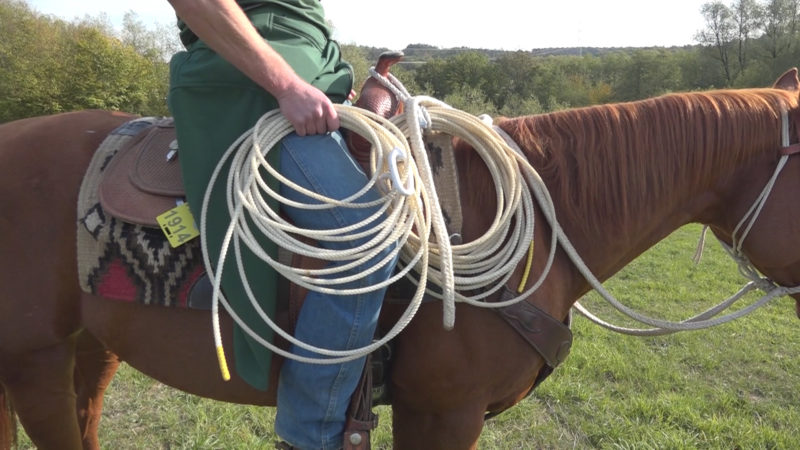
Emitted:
<point x="224" y="27"/>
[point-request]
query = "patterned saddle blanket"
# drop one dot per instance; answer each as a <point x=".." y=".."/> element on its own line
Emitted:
<point x="132" y="259"/>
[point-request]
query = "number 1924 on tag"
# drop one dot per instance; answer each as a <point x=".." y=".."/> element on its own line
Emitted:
<point x="178" y="225"/>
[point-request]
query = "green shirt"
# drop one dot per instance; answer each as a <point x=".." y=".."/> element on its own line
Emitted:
<point x="213" y="104"/>
<point x="309" y="11"/>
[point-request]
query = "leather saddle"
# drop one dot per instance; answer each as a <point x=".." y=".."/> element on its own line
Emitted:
<point x="144" y="178"/>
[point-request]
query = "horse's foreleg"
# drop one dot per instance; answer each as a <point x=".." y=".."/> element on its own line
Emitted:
<point x="95" y="368"/>
<point x="40" y="385"/>
<point x="454" y="430"/>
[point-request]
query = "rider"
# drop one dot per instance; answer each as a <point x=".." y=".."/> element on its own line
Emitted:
<point x="242" y="59"/>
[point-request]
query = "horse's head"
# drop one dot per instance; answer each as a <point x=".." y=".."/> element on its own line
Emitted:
<point x="790" y="82"/>
<point x="773" y="243"/>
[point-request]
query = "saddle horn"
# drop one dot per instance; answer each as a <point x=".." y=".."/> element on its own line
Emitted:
<point x="376" y="98"/>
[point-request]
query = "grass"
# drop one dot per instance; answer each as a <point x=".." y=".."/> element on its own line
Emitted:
<point x="731" y="387"/>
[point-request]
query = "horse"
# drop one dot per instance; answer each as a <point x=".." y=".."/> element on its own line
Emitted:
<point x="622" y="177"/>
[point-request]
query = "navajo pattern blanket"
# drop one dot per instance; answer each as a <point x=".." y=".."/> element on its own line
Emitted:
<point x="128" y="262"/>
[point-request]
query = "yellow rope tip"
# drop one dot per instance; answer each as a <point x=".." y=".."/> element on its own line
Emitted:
<point x="527" y="272"/>
<point x="223" y="364"/>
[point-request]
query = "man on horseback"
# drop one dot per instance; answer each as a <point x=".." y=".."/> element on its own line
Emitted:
<point x="242" y="59"/>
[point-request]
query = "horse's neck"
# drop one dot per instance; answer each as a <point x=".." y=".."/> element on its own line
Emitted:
<point x="643" y="196"/>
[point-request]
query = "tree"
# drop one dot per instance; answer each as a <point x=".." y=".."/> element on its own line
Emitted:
<point x="471" y="100"/>
<point x="357" y="58"/>
<point x="779" y="27"/>
<point x="698" y="71"/>
<point x="511" y="82"/>
<point x="646" y="74"/>
<point x="719" y="33"/>
<point x="49" y="66"/>
<point x="446" y="76"/>
<point x="28" y="62"/>
<point x="747" y="17"/>
<point x="521" y="106"/>
<point x="157" y="44"/>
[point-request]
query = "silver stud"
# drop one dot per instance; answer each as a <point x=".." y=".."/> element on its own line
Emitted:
<point x="355" y="439"/>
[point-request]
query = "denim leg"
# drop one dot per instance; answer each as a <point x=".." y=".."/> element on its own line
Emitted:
<point x="313" y="398"/>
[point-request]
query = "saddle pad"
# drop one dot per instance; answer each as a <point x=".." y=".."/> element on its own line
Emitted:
<point x="141" y="182"/>
<point x="124" y="261"/>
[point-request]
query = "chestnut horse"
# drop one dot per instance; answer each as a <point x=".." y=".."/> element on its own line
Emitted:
<point x="622" y="178"/>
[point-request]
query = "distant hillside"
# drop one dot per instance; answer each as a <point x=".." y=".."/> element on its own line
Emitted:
<point x="423" y="52"/>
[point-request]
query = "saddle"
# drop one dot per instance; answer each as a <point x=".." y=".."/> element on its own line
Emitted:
<point x="144" y="180"/>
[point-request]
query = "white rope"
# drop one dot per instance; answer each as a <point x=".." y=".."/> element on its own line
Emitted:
<point x="480" y="265"/>
<point x="414" y="221"/>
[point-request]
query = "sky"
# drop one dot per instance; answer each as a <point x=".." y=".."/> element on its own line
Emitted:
<point x="500" y="24"/>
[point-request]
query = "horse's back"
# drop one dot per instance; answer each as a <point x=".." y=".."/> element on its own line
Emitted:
<point x="42" y="162"/>
<point x="80" y="129"/>
<point x="64" y="142"/>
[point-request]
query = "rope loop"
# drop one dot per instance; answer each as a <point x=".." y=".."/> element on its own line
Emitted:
<point x="412" y="218"/>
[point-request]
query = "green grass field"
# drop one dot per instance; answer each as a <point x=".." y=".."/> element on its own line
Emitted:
<point x="731" y="387"/>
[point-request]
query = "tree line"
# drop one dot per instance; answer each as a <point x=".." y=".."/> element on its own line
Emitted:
<point x="750" y="40"/>
<point x="743" y="44"/>
<point x="48" y="65"/>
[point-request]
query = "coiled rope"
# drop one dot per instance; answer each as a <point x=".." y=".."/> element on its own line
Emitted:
<point x="409" y="207"/>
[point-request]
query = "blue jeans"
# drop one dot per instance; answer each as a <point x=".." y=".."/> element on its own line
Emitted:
<point x="313" y="398"/>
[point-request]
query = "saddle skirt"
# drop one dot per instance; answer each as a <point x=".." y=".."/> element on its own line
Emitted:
<point x="144" y="179"/>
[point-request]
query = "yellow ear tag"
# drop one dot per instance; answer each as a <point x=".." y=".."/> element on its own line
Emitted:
<point x="178" y="225"/>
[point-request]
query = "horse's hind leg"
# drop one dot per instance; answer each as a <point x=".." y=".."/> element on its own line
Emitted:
<point x="40" y="385"/>
<point x="95" y="368"/>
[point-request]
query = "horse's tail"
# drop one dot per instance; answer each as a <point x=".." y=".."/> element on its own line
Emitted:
<point x="8" y="423"/>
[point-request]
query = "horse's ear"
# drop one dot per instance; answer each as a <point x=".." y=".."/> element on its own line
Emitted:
<point x="788" y="81"/>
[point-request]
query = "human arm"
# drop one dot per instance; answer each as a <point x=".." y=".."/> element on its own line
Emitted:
<point x="224" y="27"/>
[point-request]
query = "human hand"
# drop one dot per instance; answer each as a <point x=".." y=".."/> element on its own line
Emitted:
<point x="308" y="109"/>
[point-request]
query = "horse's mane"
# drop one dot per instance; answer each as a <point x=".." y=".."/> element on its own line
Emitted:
<point x="605" y="164"/>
